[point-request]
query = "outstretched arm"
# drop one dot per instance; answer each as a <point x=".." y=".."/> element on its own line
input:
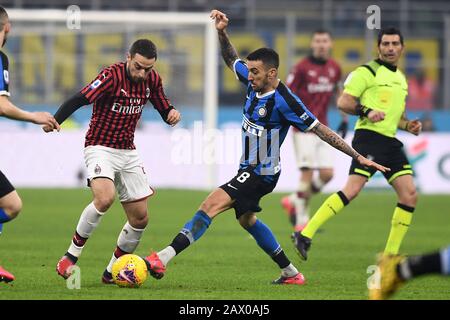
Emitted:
<point x="67" y="108"/>
<point x="229" y="53"/>
<point x="9" y="110"/>
<point x="333" y="139"/>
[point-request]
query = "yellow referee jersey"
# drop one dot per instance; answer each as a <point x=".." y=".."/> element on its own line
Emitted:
<point x="379" y="86"/>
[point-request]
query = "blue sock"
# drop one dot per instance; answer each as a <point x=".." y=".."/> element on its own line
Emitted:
<point x="445" y="260"/>
<point x="3" y="218"/>
<point x="191" y="231"/>
<point x="264" y="238"/>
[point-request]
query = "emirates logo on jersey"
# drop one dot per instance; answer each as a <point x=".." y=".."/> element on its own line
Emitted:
<point x="136" y="106"/>
<point x="323" y="85"/>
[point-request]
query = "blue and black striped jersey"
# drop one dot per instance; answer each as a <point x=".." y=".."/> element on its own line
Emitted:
<point x="4" y="76"/>
<point x="266" y="121"/>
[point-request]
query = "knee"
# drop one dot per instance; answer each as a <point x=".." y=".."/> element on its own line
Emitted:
<point x="210" y="208"/>
<point x="13" y="209"/>
<point x="246" y="220"/>
<point x="139" y="222"/>
<point x="409" y="198"/>
<point x="104" y="202"/>
<point x="326" y="176"/>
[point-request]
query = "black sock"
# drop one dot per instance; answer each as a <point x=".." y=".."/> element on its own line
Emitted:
<point x="415" y="266"/>
<point x="180" y="242"/>
<point x="280" y="259"/>
<point x="71" y="257"/>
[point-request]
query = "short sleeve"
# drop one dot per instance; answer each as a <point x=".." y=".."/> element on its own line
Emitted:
<point x="241" y="71"/>
<point x="101" y="85"/>
<point x="357" y="82"/>
<point x="294" y="111"/>
<point x="4" y="76"/>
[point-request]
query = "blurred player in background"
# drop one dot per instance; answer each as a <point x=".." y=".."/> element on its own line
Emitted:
<point x="376" y="92"/>
<point x="315" y="79"/>
<point x="10" y="202"/>
<point x="395" y="270"/>
<point x="119" y="94"/>
<point x="270" y="109"/>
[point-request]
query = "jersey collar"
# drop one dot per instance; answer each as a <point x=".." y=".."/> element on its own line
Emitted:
<point x="259" y="96"/>
<point x="318" y="61"/>
<point x="387" y="65"/>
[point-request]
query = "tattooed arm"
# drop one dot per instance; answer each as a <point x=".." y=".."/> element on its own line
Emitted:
<point x="333" y="139"/>
<point x="229" y="53"/>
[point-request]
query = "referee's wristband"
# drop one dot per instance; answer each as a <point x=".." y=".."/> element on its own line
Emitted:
<point x="363" y="111"/>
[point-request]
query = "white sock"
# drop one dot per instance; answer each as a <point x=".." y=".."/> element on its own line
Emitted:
<point x="289" y="271"/>
<point x="300" y="203"/>
<point x="127" y="242"/>
<point x="166" y="255"/>
<point x="318" y="183"/>
<point x="89" y="220"/>
<point x="111" y="262"/>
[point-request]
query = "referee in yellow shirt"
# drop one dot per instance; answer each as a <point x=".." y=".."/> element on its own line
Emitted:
<point x="376" y="92"/>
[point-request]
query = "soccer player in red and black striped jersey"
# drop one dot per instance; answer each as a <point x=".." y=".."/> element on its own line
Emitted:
<point x="10" y="202"/>
<point x="119" y="94"/>
<point x="315" y="79"/>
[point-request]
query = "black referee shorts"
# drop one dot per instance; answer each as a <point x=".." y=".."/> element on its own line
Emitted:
<point x="247" y="188"/>
<point x="383" y="150"/>
<point x="5" y="186"/>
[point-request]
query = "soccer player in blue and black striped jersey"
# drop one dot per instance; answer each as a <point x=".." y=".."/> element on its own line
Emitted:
<point x="270" y="109"/>
<point x="10" y="202"/>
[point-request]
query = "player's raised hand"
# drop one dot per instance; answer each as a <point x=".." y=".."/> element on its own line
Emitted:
<point x="414" y="127"/>
<point x="369" y="163"/>
<point x="45" y="119"/>
<point x="220" y="19"/>
<point x="376" y="116"/>
<point x="173" y="117"/>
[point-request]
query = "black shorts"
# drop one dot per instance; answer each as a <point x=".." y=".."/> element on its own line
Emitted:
<point x="247" y="188"/>
<point x="5" y="186"/>
<point x="383" y="150"/>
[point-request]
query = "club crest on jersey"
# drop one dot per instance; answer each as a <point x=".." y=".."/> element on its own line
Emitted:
<point x="96" y="83"/>
<point x="97" y="169"/>
<point x="262" y="111"/>
<point x="147" y="92"/>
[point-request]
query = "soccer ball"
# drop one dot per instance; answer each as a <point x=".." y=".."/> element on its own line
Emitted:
<point x="129" y="271"/>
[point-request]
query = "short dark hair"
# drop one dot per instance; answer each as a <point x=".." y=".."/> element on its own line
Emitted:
<point x="144" y="47"/>
<point x="3" y="17"/>
<point x="322" y="31"/>
<point x="390" y="31"/>
<point x="268" y="56"/>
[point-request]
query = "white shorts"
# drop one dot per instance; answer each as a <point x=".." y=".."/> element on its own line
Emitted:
<point x="311" y="151"/>
<point x="123" y="167"/>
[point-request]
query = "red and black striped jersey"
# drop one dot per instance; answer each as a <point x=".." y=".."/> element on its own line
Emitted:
<point x="314" y="81"/>
<point x="118" y="105"/>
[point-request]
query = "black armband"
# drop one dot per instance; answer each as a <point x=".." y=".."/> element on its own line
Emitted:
<point x="70" y="106"/>
<point x="363" y="111"/>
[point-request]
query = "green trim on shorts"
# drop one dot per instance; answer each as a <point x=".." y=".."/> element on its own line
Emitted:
<point x="407" y="166"/>
<point x="400" y="173"/>
<point x="362" y="172"/>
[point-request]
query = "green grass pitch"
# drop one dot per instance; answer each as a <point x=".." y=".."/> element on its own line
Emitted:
<point x="226" y="263"/>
